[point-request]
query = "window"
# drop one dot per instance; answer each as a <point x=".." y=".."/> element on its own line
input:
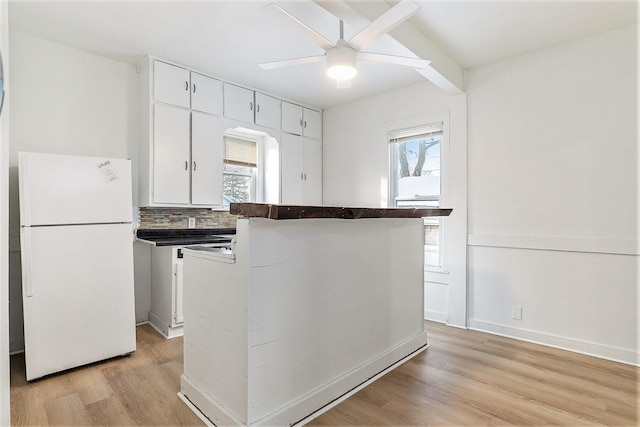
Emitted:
<point x="415" y="179"/>
<point x="240" y="169"/>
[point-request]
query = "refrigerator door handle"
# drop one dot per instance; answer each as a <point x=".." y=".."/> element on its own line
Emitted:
<point x="25" y="243"/>
<point x="24" y="190"/>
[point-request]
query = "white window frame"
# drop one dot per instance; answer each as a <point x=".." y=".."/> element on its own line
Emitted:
<point x="257" y="187"/>
<point x="418" y="122"/>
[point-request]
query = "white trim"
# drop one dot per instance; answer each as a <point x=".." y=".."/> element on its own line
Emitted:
<point x="195" y="410"/>
<point x="163" y="328"/>
<point x="437" y="277"/>
<point x="601" y="351"/>
<point x="435" y="316"/>
<point x="553" y="243"/>
<point x="360" y="387"/>
<point x="306" y="407"/>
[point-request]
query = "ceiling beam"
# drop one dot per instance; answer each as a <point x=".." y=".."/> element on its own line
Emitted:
<point x="442" y="71"/>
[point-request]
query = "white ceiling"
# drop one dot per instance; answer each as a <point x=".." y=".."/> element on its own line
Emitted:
<point x="228" y="39"/>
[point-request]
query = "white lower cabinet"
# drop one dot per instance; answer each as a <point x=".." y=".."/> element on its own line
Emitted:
<point x="301" y="170"/>
<point x="166" y="314"/>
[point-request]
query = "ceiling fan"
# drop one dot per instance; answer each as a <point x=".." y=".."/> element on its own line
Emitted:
<point x="341" y="57"/>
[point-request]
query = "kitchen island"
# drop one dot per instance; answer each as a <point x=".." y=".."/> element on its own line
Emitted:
<point x="309" y="304"/>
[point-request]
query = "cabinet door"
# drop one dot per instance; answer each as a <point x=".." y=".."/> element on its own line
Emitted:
<point x="312" y="122"/>
<point x="170" y="154"/>
<point x="312" y="162"/>
<point x="171" y="84"/>
<point x="238" y="103"/>
<point x="291" y="174"/>
<point x="178" y="316"/>
<point x="206" y="94"/>
<point x="268" y="111"/>
<point x="206" y="159"/>
<point x="292" y="118"/>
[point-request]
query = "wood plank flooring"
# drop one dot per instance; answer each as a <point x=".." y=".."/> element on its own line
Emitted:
<point x="464" y="378"/>
<point x="139" y="389"/>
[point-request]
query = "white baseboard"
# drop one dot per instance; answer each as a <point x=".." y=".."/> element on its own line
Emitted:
<point x="311" y="405"/>
<point x="601" y="351"/>
<point x="436" y="316"/>
<point x="16" y="345"/>
<point x="165" y="329"/>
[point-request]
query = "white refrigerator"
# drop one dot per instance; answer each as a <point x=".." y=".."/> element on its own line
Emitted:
<point x="76" y="240"/>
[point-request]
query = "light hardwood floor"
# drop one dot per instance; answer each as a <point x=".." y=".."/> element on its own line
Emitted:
<point x="464" y="378"/>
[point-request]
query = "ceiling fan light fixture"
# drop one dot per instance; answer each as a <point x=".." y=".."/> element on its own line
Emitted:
<point x="341" y="63"/>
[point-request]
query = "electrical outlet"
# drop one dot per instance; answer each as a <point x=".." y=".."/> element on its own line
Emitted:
<point x="192" y="223"/>
<point x="516" y="312"/>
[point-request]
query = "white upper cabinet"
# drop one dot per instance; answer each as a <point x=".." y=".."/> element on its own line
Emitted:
<point x="206" y="152"/>
<point x="238" y="103"/>
<point x="171" y="157"/>
<point x="206" y="94"/>
<point x="248" y="106"/>
<point x="301" y="121"/>
<point x="183" y="88"/>
<point x="292" y="118"/>
<point x="268" y="112"/>
<point x="181" y="154"/>
<point x="312" y="123"/>
<point x="171" y="84"/>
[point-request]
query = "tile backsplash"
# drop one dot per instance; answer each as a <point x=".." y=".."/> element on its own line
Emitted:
<point x="170" y="218"/>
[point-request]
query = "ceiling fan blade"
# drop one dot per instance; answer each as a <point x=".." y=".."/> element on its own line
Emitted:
<point x="385" y="23"/>
<point x="379" y="58"/>
<point x="288" y="19"/>
<point x="289" y="62"/>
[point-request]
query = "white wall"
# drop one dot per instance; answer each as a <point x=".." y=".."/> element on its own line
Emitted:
<point x="356" y="169"/>
<point x="5" y="413"/>
<point x="71" y="102"/>
<point x="553" y="196"/>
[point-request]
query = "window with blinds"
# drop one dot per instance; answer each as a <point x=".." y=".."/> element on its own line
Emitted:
<point x="240" y="152"/>
<point x="240" y="168"/>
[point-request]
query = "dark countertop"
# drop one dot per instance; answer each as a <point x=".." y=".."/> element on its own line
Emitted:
<point x="185" y="237"/>
<point x="262" y="210"/>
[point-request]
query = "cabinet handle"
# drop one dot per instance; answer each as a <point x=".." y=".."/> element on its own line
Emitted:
<point x="305" y="176"/>
<point x="194" y="88"/>
<point x="305" y="124"/>
<point x="251" y="106"/>
<point x="300" y="122"/>
<point x="186" y="85"/>
<point x="186" y="165"/>
<point x="257" y="108"/>
<point x="301" y="176"/>
<point x="194" y="165"/>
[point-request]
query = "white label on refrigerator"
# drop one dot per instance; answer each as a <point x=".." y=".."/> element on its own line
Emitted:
<point x="108" y="172"/>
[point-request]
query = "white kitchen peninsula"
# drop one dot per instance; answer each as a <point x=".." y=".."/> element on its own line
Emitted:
<point x="302" y="310"/>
